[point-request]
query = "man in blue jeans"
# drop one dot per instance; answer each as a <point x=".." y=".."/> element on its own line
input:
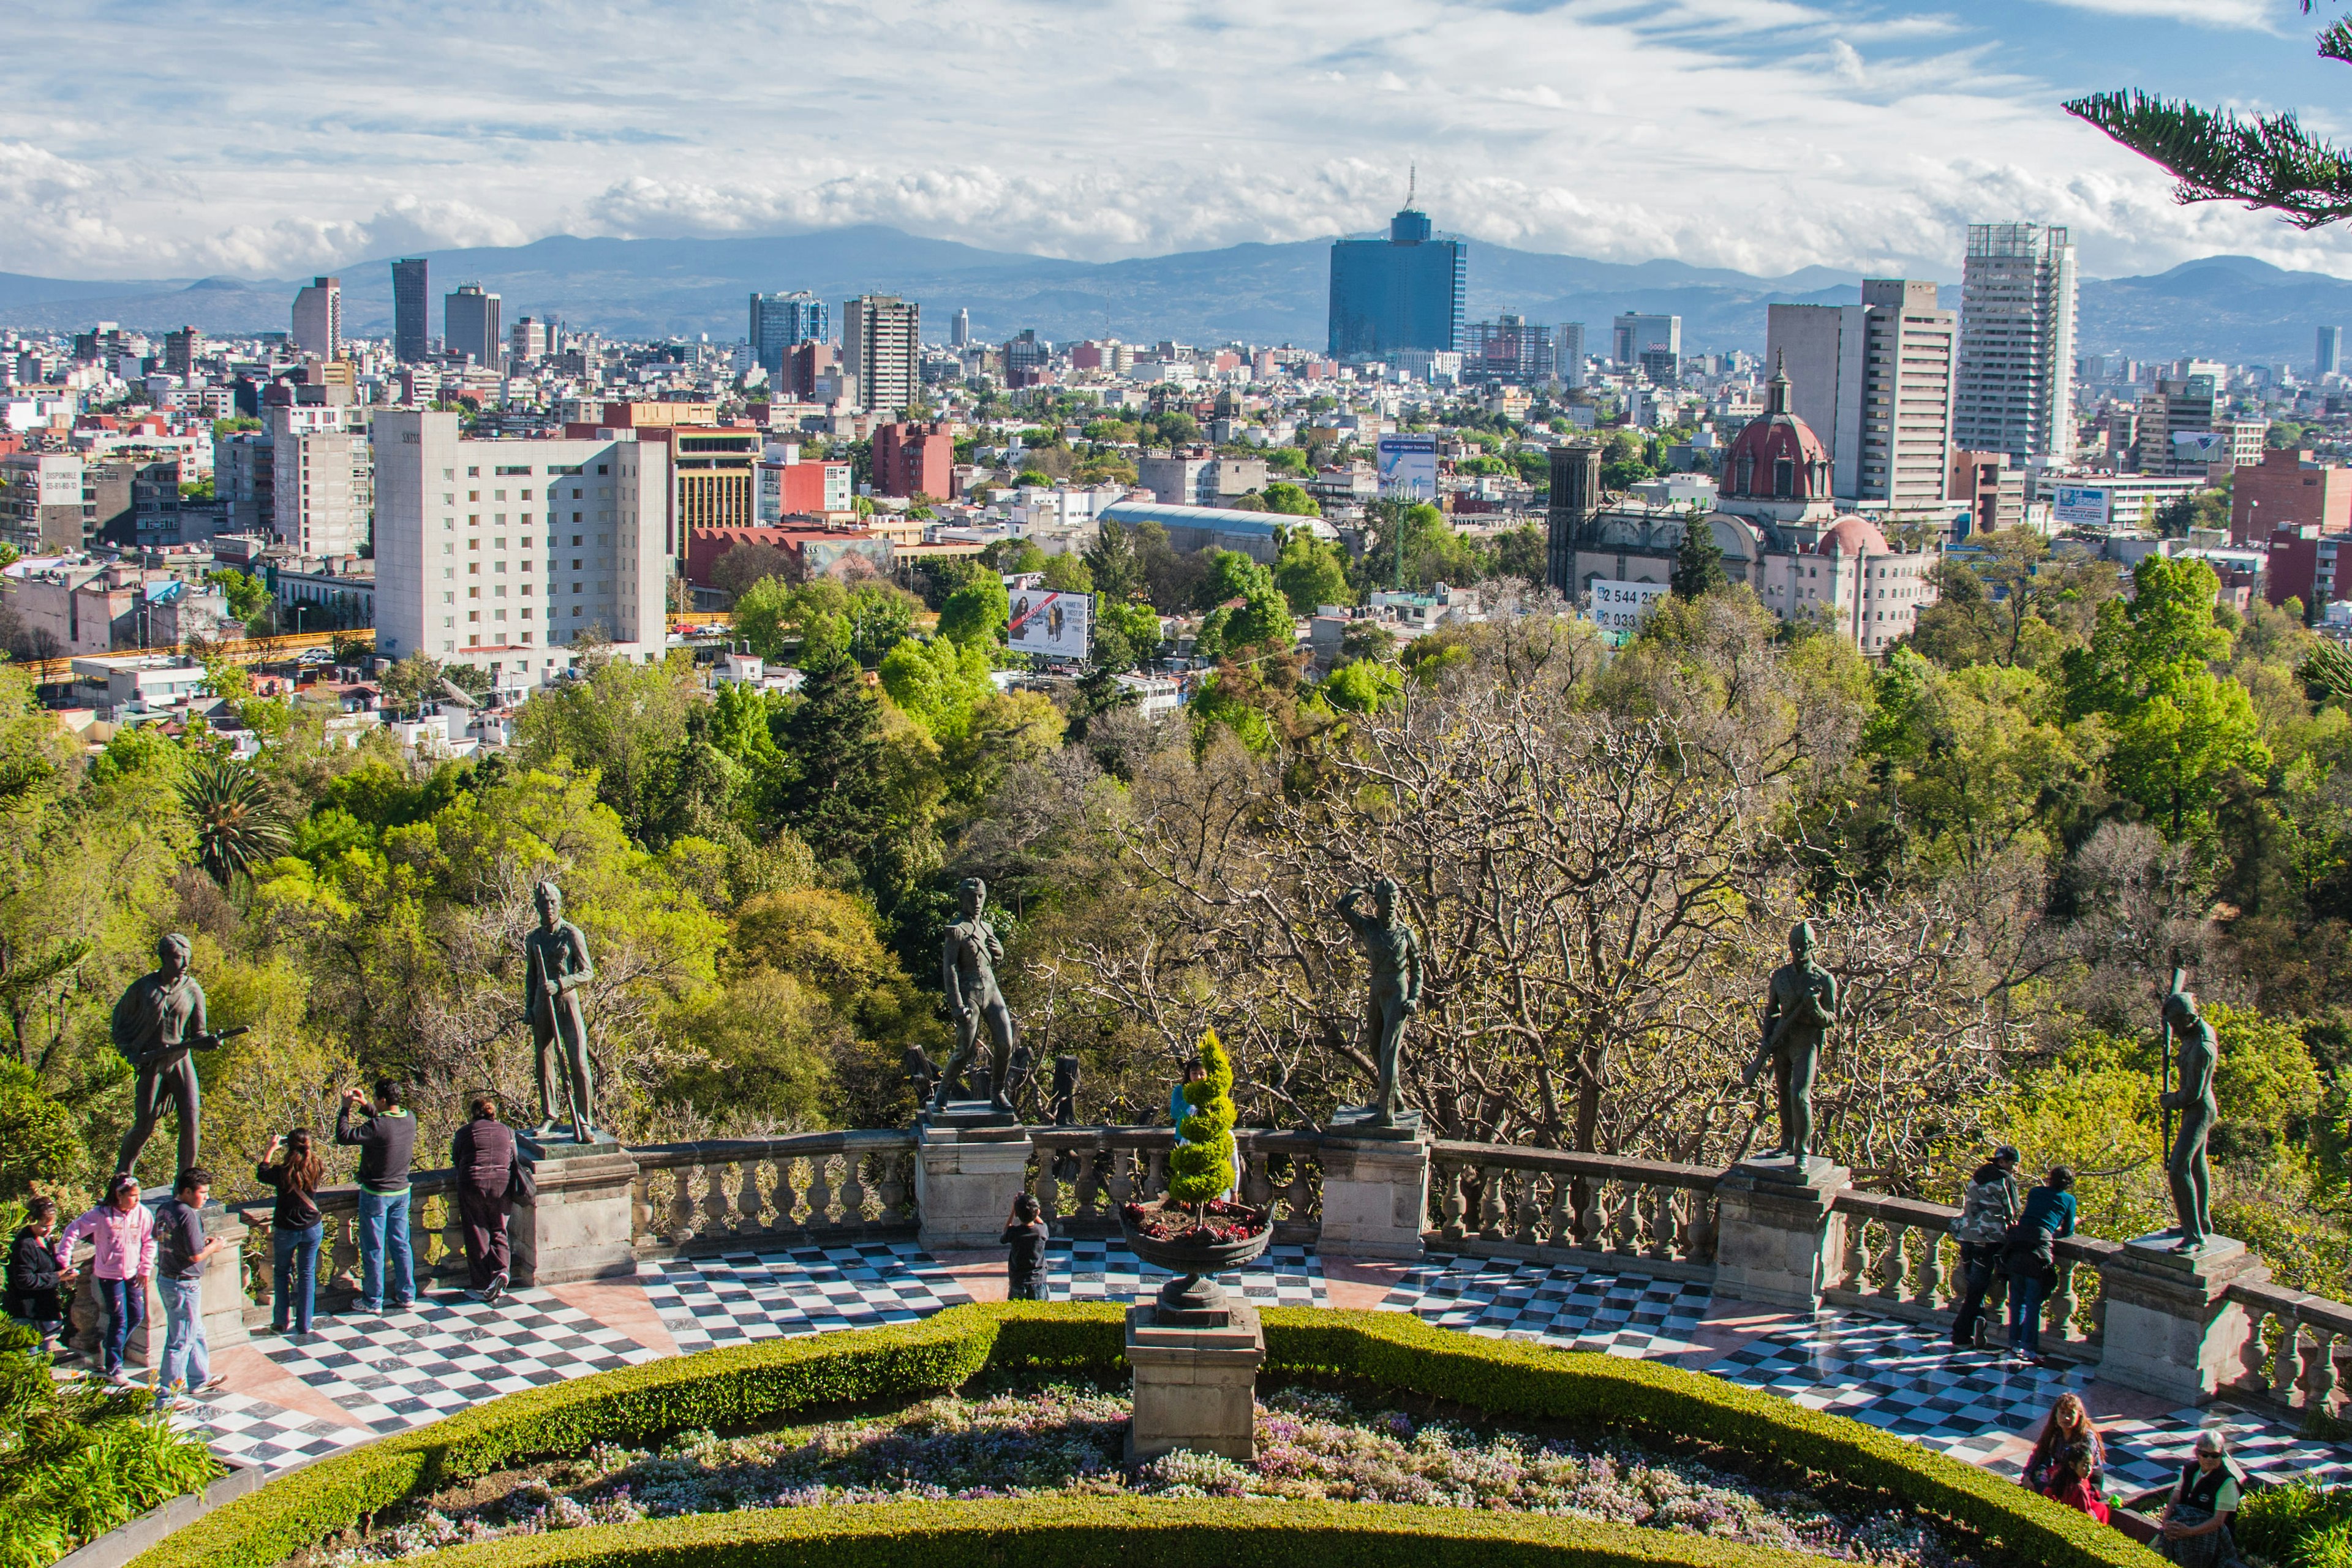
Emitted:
<point x="181" y="1254"/>
<point x="2029" y="1259"/>
<point x="387" y="1144"/>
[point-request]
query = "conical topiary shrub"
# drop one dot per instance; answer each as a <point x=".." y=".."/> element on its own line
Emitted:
<point x="1203" y="1165"/>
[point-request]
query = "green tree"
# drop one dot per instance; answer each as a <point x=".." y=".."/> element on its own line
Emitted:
<point x="834" y="796"/>
<point x="1522" y="553"/>
<point x="1698" y="562"/>
<point x="1203" y="1165"/>
<point x="1067" y="573"/>
<point x="1310" y="573"/>
<point x="938" y="683"/>
<point x="625" y="725"/>
<point x="978" y="613"/>
<point x="246" y="594"/>
<point x="1112" y="562"/>
<point x="1290" y="499"/>
<point x="238" y="824"/>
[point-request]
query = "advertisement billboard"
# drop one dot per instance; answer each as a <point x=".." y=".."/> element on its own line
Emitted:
<point x="2081" y="506"/>
<point x="1615" y="606"/>
<point x="1058" y="625"/>
<point x="1408" y="466"/>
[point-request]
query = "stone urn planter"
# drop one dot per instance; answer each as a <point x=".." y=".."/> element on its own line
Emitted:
<point x="1225" y="1236"/>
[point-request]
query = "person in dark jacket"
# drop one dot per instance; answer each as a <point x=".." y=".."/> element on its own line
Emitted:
<point x="2029" y="1259"/>
<point x="387" y="1144"/>
<point x="1991" y="1208"/>
<point x="292" y="1165"/>
<point x="1024" y="1269"/>
<point x="481" y="1161"/>
<point x="35" y="1274"/>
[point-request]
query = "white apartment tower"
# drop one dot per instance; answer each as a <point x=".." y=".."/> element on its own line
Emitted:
<point x="2015" y="391"/>
<point x="323" y="481"/>
<point x="1568" y="356"/>
<point x="500" y="554"/>
<point x="881" y="347"/>
<point x="318" y="318"/>
<point x="1874" y="381"/>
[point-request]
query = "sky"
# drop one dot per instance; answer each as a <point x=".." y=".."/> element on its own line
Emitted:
<point x="271" y="138"/>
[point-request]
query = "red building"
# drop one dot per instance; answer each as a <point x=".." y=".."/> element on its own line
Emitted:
<point x="2304" y="564"/>
<point x="914" y="459"/>
<point x="2287" y="490"/>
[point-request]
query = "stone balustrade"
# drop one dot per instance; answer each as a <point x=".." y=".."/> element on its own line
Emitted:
<point x="1554" y="1205"/>
<point x="2291" y="1350"/>
<point x="436" y="1241"/>
<point x="803" y="1188"/>
<point x="1902" y="1261"/>
<point x="1081" y="1176"/>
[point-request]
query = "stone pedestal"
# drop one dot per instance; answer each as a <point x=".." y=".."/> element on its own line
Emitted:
<point x="968" y="1171"/>
<point x="1194" y="1388"/>
<point x="2168" y="1331"/>
<point x="581" y="1224"/>
<point x="1375" y="1190"/>
<point x="223" y="1297"/>
<point x="1776" y="1234"/>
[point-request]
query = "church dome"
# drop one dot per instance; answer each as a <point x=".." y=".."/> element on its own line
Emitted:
<point x="1852" y="535"/>
<point x="1777" y="456"/>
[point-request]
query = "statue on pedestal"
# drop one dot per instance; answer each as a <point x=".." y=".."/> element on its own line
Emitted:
<point x="159" y="1019"/>
<point x="1394" y="955"/>
<point x="1802" y="1007"/>
<point x="2191" y="1037"/>
<point x="969" y="953"/>
<point x="556" y="954"/>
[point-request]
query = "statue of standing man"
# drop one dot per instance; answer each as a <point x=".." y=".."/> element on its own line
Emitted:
<point x="1802" y="1009"/>
<point x="159" y="1019"/>
<point x="2192" y="1173"/>
<point x="556" y="955"/>
<point x="1394" y="955"/>
<point x="968" y="953"/>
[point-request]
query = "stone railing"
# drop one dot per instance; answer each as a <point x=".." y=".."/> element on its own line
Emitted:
<point x="739" y="1192"/>
<point x="1900" y="1261"/>
<point x="2293" y="1343"/>
<point x="1081" y="1176"/>
<point x="1554" y="1205"/>
<point x="436" y="1241"/>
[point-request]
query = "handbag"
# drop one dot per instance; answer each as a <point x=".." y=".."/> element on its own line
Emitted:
<point x="522" y="1186"/>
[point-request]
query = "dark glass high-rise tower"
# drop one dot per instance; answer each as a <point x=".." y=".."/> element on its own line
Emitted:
<point x="412" y="333"/>
<point x="1410" y="291"/>
<point x="781" y="322"/>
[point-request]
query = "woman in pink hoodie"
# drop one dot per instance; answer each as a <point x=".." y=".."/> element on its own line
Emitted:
<point x="122" y="1233"/>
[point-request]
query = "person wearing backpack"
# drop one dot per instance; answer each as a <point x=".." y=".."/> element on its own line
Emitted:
<point x="1989" y="1209"/>
<point x="2029" y="1256"/>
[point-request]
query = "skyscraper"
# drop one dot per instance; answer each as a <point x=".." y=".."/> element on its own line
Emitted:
<point x="960" y="334"/>
<point x="469" y="325"/>
<point x="1410" y="291"/>
<point x="1568" y="356"/>
<point x="179" y="350"/>
<point x="2330" y="360"/>
<point x="318" y="318"/>
<point x="2015" y="390"/>
<point x="1635" y="335"/>
<point x="783" y="321"/>
<point x="411" y="325"/>
<point x="1875" y="383"/>
<point x="881" y="347"/>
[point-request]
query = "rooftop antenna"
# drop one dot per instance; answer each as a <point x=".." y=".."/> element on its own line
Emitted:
<point x="1412" y="178"/>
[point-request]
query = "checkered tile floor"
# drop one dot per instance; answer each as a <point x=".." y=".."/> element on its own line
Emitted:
<point x="1107" y="1271"/>
<point x="740" y="1295"/>
<point x="1630" y="1315"/>
<point x="255" y="1432"/>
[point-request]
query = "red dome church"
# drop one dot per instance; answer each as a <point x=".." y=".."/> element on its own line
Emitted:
<point x="1776" y="456"/>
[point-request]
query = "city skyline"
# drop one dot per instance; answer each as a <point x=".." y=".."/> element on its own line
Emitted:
<point x="1768" y="137"/>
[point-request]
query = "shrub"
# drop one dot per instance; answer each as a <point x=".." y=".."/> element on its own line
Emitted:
<point x="2298" y="1525"/>
<point x="1203" y="1165"/>
<point x="753" y="1386"/>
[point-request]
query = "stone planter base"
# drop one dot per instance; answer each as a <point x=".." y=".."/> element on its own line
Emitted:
<point x="1776" y="1231"/>
<point x="581" y="1224"/>
<point x="1196" y="1389"/>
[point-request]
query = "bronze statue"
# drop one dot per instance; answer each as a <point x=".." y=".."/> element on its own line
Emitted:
<point x="2192" y="1173"/>
<point x="1393" y="953"/>
<point x="1803" y="1005"/>
<point x="557" y="957"/>
<point x="969" y="953"/>
<point x="159" y="1019"/>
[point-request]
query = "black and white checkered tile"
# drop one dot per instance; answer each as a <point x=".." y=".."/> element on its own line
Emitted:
<point x="403" y="1369"/>
<point x="733" y="1297"/>
<point x="1622" y="1314"/>
<point x="250" y="1431"/>
<point x="1107" y="1272"/>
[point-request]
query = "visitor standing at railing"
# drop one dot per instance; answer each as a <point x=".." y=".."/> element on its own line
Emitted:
<point x="387" y="1144"/>
<point x="36" y="1273"/>
<point x="1987" y="1212"/>
<point x="181" y="1253"/>
<point x="2204" y="1502"/>
<point x="1024" y="1267"/>
<point x="123" y="1237"/>
<point x="296" y="1226"/>
<point x="2029" y="1256"/>
<point x="483" y="1164"/>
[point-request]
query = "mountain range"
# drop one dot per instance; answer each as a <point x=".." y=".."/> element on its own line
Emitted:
<point x="2232" y="308"/>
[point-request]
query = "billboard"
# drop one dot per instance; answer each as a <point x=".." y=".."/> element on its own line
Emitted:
<point x="2081" y="506"/>
<point x="1615" y="606"/>
<point x="1058" y="625"/>
<point x="1408" y="466"/>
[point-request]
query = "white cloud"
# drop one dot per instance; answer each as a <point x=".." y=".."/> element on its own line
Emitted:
<point x="2218" y="14"/>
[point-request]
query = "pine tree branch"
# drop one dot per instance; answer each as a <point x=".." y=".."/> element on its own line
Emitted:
<point x="2268" y="161"/>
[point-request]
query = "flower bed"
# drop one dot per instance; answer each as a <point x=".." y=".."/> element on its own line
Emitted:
<point x="1217" y="1221"/>
<point x="1032" y="1441"/>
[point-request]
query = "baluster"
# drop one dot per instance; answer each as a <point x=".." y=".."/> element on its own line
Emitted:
<point x="1490" y="1203"/>
<point x="2287" y="1360"/>
<point x="2319" y="1370"/>
<point x="820" y="1193"/>
<point x="1894" y="1264"/>
<point x="1257" y="1186"/>
<point x="1859" y="1257"/>
<point x="898" y="1198"/>
<point x="1044" y="1187"/>
<point x="750" y="1202"/>
<point x="344" y="1256"/>
<point x="1299" y="1193"/>
<point x="2254" y="1355"/>
<point x="1090" y="1200"/>
<point x="715" y="1217"/>
<point x="1155" y="1177"/>
<point x="420" y="1241"/>
<point x="1559" y="1221"/>
<point x="1591" y="1213"/>
<point x="1623" y="1218"/>
<point x="1658" y="1220"/>
<point x="1931" y="1270"/>
<point x="2058" y="1316"/>
<point x="1530" y="1214"/>
<point x="1122" y="1176"/>
<point x="852" y="1192"/>
<point x="1449" y="1180"/>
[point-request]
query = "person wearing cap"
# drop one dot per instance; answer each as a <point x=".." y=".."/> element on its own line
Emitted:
<point x="1987" y="1212"/>
<point x="122" y="1237"/>
<point x="2196" y="1521"/>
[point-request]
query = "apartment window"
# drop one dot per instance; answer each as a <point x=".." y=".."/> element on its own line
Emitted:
<point x="448" y="473"/>
<point x="497" y="495"/>
<point x="473" y="495"/>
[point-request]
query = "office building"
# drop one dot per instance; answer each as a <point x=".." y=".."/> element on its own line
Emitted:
<point x="2178" y="425"/>
<point x="2284" y="488"/>
<point x="1511" y="349"/>
<point x="914" y="459"/>
<point x="526" y="342"/>
<point x="1993" y="491"/>
<point x="181" y="351"/>
<point x="470" y="326"/>
<point x="1874" y="381"/>
<point x="1026" y="359"/>
<point x="318" y="318"/>
<point x="881" y="350"/>
<point x="44" y="506"/>
<point x="1568" y="356"/>
<point x="1408" y="290"/>
<point x="500" y="554"/>
<point x="960" y="333"/>
<point x="812" y="373"/>
<point x="781" y="322"/>
<point x="411" y="304"/>
<point x="2329" y="359"/>
<point x="1633" y="336"/>
<point x="2013" y="390"/>
<point x="789" y="486"/>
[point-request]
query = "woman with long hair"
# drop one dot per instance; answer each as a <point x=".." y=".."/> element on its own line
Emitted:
<point x="292" y="1165"/>
<point x="2069" y="1426"/>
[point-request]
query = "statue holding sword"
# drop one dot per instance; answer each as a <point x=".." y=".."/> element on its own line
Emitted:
<point x="1802" y="1007"/>
<point x="158" y="1021"/>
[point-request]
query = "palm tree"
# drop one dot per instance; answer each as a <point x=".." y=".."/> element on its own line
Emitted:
<point x="236" y="827"/>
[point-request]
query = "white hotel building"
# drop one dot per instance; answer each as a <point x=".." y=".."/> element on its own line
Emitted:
<point x="498" y="555"/>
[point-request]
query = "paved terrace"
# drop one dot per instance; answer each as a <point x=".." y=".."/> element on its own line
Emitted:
<point x="744" y="1242"/>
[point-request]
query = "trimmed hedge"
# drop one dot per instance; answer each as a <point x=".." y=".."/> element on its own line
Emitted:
<point x="761" y="1384"/>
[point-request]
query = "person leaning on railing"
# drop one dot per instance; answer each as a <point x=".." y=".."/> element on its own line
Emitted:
<point x="2029" y="1256"/>
<point x="487" y="1170"/>
<point x="1987" y="1212"/>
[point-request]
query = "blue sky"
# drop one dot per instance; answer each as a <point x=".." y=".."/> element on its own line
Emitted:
<point x="274" y="137"/>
